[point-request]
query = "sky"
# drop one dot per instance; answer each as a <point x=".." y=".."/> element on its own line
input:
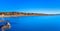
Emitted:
<point x="34" y="6"/>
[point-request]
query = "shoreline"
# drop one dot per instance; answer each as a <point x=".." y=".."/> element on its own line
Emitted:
<point x="16" y="14"/>
<point x="25" y="15"/>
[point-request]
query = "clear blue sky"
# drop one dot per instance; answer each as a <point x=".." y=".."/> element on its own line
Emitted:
<point x="41" y="6"/>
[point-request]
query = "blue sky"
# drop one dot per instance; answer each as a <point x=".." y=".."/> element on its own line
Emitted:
<point x="38" y="6"/>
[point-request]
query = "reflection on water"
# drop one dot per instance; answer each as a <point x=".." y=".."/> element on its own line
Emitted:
<point x="34" y="23"/>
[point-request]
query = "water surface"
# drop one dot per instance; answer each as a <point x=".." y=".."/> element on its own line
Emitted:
<point x="34" y="23"/>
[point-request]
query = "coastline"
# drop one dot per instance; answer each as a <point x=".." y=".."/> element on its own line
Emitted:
<point x="24" y="15"/>
<point x="16" y="14"/>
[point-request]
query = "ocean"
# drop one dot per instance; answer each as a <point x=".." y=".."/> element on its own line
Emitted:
<point x="34" y="23"/>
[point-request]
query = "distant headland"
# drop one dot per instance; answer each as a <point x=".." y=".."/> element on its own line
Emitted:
<point x="8" y="14"/>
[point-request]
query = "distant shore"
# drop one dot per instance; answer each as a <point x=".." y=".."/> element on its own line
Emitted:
<point x="16" y="14"/>
<point x="25" y="15"/>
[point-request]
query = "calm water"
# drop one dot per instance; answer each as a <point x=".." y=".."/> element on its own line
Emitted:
<point x="34" y="23"/>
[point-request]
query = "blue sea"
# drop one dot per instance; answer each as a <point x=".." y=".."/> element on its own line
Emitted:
<point x="34" y="23"/>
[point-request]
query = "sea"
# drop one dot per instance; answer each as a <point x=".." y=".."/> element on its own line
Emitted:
<point x="34" y="23"/>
